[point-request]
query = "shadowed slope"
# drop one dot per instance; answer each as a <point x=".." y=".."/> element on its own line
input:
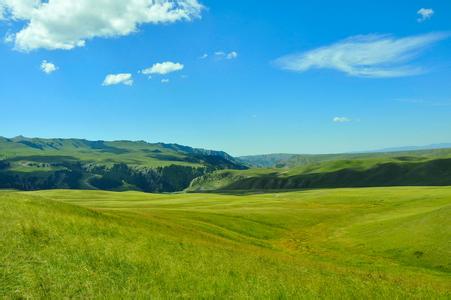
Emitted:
<point x="401" y="171"/>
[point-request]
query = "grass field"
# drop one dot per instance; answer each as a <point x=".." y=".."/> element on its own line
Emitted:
<point x="376" y="243"/>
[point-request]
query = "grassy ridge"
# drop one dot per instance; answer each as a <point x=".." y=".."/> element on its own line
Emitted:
<point x="139" y="153"/>
<point x="34" y="163"/>
<point x="379" y="243"/>
<point x="366" y="172"/>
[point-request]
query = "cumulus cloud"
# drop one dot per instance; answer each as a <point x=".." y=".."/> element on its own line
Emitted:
<point x="114" y="79"/>
<point x="48" y="67"/>
<point x="365" y="56"/>
<point x="341" y="120"/>
<point x="63" y="24"/>
<point x="163" y="68"/>
<point x="425" y="14"/>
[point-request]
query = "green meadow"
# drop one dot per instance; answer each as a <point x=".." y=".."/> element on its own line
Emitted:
<point x="368" y="243"/>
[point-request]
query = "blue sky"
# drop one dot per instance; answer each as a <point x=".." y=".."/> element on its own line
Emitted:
<point x="285" y="76"/>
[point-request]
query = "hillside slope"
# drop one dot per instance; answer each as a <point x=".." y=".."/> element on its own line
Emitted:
<point x="380" y="243"/>
<point x="363" y="172"/>
<point x="299" y="160"/>
<point x="34" y="163"/>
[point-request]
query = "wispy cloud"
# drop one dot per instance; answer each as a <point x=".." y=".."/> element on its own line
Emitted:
<point x="425" y="14"/>
<point x="114" y="79"/>
<point x="226" y="55"/>
<point x="341" y="120"/>
<point x="48" y="67"/>
<point x="424" y="102"/>
<point x="9" y="37"/>
<point x="220" y="54"/>
<point x="165" y="80"/>
<point x="163" y="68"/>
<point x="374" y="56"/>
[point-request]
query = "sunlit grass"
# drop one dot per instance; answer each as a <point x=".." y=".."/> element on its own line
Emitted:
<point x="345" y="243"/>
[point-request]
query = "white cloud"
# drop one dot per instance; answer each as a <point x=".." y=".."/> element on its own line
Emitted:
<point x="365" y="56"/>
<point x="425" y="14"/>
<point x="165" y="80"/>
<point x="341" y="120"/>
<point x="163" y="68"/>
<point x="223" y="55"/>
<point x="64" y="24"/>
<point x="220" y="54"/>
<point x="48" y="67"/>
<point x="19" y="9"/>
<point x="232" y="55"/>
<point x="113" y="79"/>
<point x="204" y="56"/>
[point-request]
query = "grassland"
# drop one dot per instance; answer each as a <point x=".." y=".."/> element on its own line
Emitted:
<point x="372" y="243"/>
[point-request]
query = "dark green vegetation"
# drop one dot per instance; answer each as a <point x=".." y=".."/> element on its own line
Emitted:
<point x="31" y="164"/>
<point x="376" y="243"/>
<point x="418" y="168"/>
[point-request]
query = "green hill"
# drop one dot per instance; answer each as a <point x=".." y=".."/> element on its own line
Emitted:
<point x="431" y="168"/>
<point x="299" y="160"/>
<point x="377" y="243"/>
<point x="34" y="163"/>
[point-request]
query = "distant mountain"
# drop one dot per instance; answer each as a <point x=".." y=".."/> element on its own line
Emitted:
<point x="36" y="163"/>
<point x="415" y="148"/>
<point x="268" y="160"/>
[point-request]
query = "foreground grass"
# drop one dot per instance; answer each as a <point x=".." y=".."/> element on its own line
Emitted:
<point x="346" y="243"/>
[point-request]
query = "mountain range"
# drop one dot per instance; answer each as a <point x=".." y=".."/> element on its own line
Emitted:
<point x="37" y="163"/>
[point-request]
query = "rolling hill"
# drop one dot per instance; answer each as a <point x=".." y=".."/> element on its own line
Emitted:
<point x="424" y="168"/>
<point x="35" y="163"/>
